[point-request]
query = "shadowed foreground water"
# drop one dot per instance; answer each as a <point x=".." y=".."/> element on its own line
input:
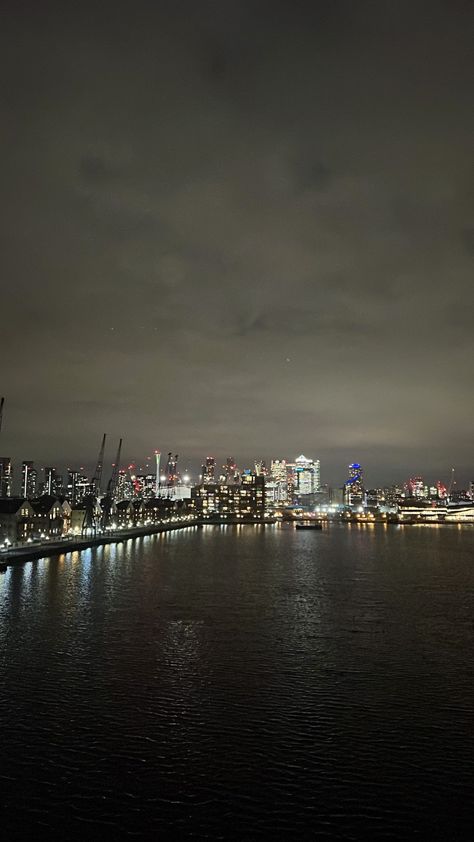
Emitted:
<point x="242" y="683"/>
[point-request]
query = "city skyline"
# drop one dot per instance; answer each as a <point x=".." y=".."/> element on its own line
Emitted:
<point x="193" y="470"/>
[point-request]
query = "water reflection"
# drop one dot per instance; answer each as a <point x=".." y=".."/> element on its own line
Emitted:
<point x="239" y="678"/>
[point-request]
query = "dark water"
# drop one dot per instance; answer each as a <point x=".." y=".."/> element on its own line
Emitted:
<point x="241" y="683"/>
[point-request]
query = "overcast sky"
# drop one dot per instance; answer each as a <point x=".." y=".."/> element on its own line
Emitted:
<point x="239" y="228"/>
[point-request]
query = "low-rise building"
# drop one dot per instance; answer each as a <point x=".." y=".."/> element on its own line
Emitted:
<point x="125" y="513"/>
<point x="16" y="520"/>
<point x="48" y="517"/>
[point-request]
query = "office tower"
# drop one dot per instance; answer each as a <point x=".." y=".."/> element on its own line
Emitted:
<point x="157" y="472"/>
<point x="230" y="470"/>
<point x="144" y="486"/>
<point x="124" y="489"/>
<point x="29" y="479"/>
<point x="354" y="486"/>
<point x="5" y="476"/>
<point x="53" y="482"/>
<point x="279" y="480"/>
<point x="305" y="479"/>
<point x="78" y="486"/>
<point x="416" y="487"/>
<point x="209" y="471"/>
<point x="261" y="468"/>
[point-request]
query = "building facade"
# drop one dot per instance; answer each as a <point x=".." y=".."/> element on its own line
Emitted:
<point x="244" y="500"/>
<point x="6" y="476"/>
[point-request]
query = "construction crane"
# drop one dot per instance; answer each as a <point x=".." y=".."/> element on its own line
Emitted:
<point x="91" y="517"/>
<point x="97" y="478"/>
<point x="108" y="501"/>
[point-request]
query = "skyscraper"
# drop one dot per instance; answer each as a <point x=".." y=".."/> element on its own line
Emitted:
<point x="279" y="480"/>
<point x="230" y="470"/>
<point x="157" y="472"/>
<point x="354" y="486"/>
<point x="29" y="479"/>
<point x="416" y="487"/>
<point x="306" y="479"/>
<point x="53" y="482"/>
<point x="5" y="476"/>
<point x="78" y="485"/>
<point x="124" y="489"/>
<point x="209" y="471"/>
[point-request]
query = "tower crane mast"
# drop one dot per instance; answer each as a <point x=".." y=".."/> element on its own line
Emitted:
<point x="97" y="478"/>
<point x="91" y="520"/>
<point x="108" y="500"/>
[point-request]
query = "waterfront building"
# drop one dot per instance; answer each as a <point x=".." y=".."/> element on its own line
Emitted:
<point x="354" y="486"/>
<point x="66" y="514"/>
<point x="29" y="479"/>
<point x="243" y="500"/>
<point x="139" y="512"/>
<point x="48" y="517"/>
<point x="125" y="513"/>
<point x="159" y="508"/>
<point x="5" y="476"/>
<point x="16" y="520"/>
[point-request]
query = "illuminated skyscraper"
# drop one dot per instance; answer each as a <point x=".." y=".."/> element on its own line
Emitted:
<point x="5" y="476"/>
<point x="78" y="485"/>
<point x="29" y="479"/>
<point x="209" y="471"/>
<point x="53" y="482"/>
<point x="157" y="472"/>
<point x="125" y="489"/>
<point x="278" y="486"/>
<point x="354" y="486"/>
<point x="416" y="487"/>
<point x="231" y="473"/>
<point x="305" y="479"/>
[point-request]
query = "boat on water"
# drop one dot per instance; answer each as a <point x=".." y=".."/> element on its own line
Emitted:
<point x="308" y="524"/>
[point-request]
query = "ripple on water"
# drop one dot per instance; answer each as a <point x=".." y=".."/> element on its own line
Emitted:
<point x="242" y="685"/>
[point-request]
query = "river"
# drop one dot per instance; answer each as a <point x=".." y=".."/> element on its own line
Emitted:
<point x="242" y="683"/>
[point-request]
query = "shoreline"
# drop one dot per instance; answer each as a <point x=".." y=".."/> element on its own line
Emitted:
<point x="35" y="552"/>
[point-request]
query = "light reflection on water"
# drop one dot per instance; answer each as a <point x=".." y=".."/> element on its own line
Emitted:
<point x="242" y="682"/>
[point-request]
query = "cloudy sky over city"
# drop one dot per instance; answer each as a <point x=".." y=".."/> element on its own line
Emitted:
<point x="239" y="228"/>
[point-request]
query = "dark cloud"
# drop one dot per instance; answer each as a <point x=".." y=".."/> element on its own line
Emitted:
<point x="239" y="227"/>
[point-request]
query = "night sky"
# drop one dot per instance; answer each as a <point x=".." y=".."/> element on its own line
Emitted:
<point x="239" y="228"/>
